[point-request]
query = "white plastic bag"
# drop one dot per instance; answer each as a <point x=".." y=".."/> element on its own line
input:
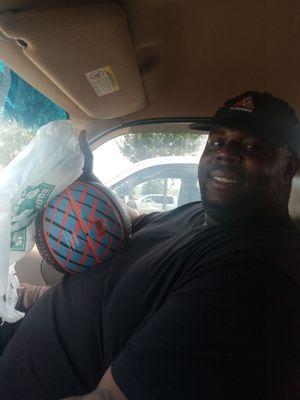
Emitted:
<point x="50" y="163"/>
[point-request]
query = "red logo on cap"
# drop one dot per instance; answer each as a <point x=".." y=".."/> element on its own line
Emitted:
<point x="245" y="104"/>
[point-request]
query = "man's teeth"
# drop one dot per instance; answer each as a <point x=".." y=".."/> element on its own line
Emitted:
<point x="224" y="180"/>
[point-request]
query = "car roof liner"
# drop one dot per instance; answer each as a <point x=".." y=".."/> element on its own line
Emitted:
<point x="170" y="58"/>
<point x="94" y="64"/>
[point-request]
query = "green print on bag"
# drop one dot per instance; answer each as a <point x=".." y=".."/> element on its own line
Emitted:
<point x="18" y="240"/>
<point x="32" y="199"/>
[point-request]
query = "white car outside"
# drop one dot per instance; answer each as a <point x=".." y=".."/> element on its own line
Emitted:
<point x="158" y="184"/>
<point x="150" y="162"/>
<point x="156" y="202"/>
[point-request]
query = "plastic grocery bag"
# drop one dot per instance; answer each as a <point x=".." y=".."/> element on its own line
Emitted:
<point x="46" y="166"/>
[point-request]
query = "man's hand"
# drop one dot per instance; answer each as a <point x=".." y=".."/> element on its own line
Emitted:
<point x="106" y="390"/>
<point x="133" y="214"/>
<point x="98" y="394"/>
<point x="28" y="295"/>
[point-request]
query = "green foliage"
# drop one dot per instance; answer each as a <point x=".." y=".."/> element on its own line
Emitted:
<point x="140" y="146"/>
<point x="13" y="138"/>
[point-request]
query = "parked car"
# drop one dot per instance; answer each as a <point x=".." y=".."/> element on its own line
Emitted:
<point x="174" y="180"/>
<point x="155" y="202"/>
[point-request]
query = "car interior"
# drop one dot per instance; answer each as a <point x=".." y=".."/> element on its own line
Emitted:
<point x="146" y="66"/>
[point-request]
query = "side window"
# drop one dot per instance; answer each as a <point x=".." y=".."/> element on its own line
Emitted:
<point x="23" y="110"/>
<point x="151" y="171"/>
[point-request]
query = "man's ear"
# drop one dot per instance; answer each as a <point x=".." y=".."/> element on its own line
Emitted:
<point x="291" y="167"/>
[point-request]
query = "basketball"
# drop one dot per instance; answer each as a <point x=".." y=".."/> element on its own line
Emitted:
<point x="82" y="227"/>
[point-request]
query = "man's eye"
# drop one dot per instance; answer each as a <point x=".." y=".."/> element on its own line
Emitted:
<point x="215" y="143"/>
<point x="251" y="147"/>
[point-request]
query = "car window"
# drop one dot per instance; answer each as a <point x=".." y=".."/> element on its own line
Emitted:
<point x="151" y="171"/>
<point x="23" y="110"/>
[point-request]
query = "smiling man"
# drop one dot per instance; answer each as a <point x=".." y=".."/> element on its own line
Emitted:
<point x="249" y="156"/>
<point x="203" y="303"/>
<point x="239" y="175"/>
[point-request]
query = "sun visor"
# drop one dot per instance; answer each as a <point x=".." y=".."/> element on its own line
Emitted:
<point x="86" y="51"/>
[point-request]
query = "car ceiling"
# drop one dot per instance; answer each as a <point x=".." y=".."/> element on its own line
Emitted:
<point x="170" y="58"/>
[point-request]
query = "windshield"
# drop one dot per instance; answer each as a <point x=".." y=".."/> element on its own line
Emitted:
<point x="23" y="110"/>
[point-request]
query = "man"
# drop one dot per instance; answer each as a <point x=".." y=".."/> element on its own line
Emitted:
<point x="201" y="304"/>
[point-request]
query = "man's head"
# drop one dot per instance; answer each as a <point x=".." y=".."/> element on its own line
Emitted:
<point x="248" y="162"/>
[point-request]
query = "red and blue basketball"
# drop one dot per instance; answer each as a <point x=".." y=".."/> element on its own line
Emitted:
<point x="80" y="228"/>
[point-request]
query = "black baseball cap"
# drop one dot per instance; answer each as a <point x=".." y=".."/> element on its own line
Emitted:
<point x="260" y="114"/>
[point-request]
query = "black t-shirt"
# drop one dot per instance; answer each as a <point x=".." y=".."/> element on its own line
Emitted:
<point x="179" y="313"/>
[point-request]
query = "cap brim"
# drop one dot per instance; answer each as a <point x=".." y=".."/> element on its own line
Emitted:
<point x="206" y="124"/>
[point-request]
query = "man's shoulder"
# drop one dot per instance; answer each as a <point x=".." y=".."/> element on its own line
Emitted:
<point x="290" y="252"/>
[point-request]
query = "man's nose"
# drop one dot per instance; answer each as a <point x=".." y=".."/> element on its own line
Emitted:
<point x="229" y="153"/>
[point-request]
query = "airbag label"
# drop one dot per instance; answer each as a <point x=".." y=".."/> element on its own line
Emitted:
<point x="103" y="81"/>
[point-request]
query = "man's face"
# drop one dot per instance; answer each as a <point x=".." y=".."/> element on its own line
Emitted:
<point x="243" y="174"/>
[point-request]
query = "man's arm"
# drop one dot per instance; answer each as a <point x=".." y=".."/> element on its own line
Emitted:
<point x="106" y="390"/>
